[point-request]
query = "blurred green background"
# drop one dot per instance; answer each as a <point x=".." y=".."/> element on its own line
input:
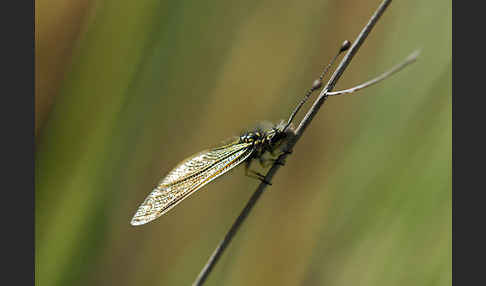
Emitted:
<point x="127" y="89"/>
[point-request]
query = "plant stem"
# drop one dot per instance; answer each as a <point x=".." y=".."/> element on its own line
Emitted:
<point x="203" y="275"/>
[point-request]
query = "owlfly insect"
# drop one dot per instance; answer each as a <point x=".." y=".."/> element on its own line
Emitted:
<point x="200" y="169"/>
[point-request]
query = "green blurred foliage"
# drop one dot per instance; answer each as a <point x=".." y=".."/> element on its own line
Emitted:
<point x="365" y="198"/>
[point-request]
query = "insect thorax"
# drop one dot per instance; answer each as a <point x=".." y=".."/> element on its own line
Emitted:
<point x="267" y="140"/>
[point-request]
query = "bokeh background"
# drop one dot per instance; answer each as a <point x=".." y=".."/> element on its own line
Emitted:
<point x="127" y="89"/>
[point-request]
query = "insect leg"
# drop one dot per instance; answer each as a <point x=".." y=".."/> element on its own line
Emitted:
<point x="276" y="159"/>
<point x="254" y="174"/>
<point x="269" y="161"/>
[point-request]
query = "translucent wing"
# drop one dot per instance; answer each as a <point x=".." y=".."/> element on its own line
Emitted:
<point x="189" y="176"/>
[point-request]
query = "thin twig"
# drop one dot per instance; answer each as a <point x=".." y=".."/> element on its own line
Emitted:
<point x="410" y="59"/>
<point x="203" y="275"/>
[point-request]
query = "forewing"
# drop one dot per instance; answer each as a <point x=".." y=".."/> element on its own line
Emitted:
<point x="199" y="162"/>
<point x="189" y="176"/>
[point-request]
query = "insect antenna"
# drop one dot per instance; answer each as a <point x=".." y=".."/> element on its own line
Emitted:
<point x="317" y="83"/>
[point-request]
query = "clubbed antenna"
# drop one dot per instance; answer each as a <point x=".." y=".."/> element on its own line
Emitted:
<point x="317" y="83"/>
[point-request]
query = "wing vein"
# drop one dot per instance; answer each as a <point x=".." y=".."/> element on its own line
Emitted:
<point x="189" y="176"/>
<point x="185" y="178"/>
